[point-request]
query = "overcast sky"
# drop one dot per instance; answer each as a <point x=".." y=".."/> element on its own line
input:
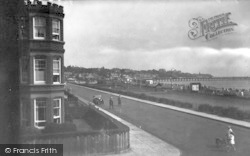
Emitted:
<point x="154" y="34"/>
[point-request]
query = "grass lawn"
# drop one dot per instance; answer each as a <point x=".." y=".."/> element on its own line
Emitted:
<point x="195" y="98"/>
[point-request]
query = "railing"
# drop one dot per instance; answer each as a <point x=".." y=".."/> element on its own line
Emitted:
<point x="83" y="143"/>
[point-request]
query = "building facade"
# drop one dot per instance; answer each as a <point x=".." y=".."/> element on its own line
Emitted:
<point x="41" y="45"/>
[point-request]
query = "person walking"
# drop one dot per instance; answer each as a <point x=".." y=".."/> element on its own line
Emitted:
<point x="119" y="100"/>
<point x="231" y="142"/>
<point x="111" y="103"/>
<point x="229" y="130"/>
<point x="119" y="103"/>
<point x="231" y="138"/>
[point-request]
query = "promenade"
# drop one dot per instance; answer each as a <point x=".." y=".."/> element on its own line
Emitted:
<point x="141" y="142"/>
<point x="192" y="112"/>
<point x="176" y="125"/>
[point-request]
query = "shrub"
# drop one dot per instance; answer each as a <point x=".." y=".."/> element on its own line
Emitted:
<point x="142" y="96"/>
<point x="183" y="105"/>
<point x="59" y="128"/>
<point x="29" y="131"/>
<point x="68" y="117"/>
<point x="205" y="108"/>
<point x="152" y="98"/>
<point x="78" y="112"/>
<point x="166" y="101"/>
<point x="187" y="105"/>
<point x="246" y="115"/>
<point x="233" y="112"/>
<point x="162" y="100"/>
<point x="97" y="121"/>
<point x="133" y="94"/>
<point x="171" y="102"/>
<point x="218" y="110"/>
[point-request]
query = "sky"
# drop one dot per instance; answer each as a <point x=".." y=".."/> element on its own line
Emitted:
<point x="144" y="34"/>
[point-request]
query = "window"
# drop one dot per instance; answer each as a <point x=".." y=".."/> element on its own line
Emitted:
<point x="57" y="110"/>
<point x="39" y="28"/>
<point x="57" y="71"/>
<point x="40" y="112"/>
<point x="39" y="71"/>
<point x="55" y="30"/>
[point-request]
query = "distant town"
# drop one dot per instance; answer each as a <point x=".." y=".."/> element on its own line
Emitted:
<point x="103" y="75"/>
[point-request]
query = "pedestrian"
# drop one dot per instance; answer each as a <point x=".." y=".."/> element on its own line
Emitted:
<point x="119" y="103"/>
<point x="111" y="103"/>
<point x="119" y="100"/>
<point x="229" y="130"/>
<point x="231" y="138"/>
<point x="231" y="142"/>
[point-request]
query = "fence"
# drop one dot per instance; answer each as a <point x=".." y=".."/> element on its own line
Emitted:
<point x="82" y="143"/>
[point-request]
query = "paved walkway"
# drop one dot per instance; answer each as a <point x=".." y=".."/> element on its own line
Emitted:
<point x="141" y="142"/>
<point x="201" y="114"/>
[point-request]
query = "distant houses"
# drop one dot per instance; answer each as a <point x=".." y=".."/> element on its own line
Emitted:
<point x="127" y="76"/>
<point x="127" y="79"/>
<point x="67" y="75"/>
<point x="82" y="78"/>
<point x="113" y="76"/>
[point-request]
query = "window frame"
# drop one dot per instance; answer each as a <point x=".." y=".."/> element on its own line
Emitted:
<point x="59" y="69"/>
<point x="36" y="114"/>
<point x="35" y="27"/>
<point x="59" y="29"/>
<point x="59" y="107"/>
<point x="34" y="71"/>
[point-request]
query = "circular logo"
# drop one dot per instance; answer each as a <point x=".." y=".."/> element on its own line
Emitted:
<point x="7" y="150"/>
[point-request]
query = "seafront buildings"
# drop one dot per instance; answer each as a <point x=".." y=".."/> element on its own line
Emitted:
<point x="41" y="46"/>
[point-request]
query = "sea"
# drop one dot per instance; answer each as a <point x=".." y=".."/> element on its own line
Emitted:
<point x="217" y="83"/>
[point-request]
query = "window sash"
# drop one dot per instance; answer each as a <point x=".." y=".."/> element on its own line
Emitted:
<point x="39" y="33"/>
<point x="39" y="21"/>
<point x="57" y="110"/>
<point x="39" y="70"/>
<point x="40" y="113"/>
<point x="39" y="27"/>
<point x="55" y="29"/>
<point x="56" y="71"/>
<point x="56" y="66"/>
